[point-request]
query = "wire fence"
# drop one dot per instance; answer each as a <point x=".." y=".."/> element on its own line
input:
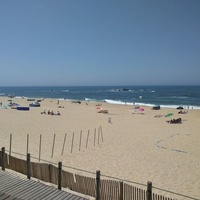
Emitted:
<point x="111" y="177"/>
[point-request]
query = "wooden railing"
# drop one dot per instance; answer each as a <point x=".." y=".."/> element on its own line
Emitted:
<point x="95" y="187"/>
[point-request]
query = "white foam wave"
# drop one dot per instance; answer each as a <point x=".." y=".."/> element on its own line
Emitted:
<point x="113" y="90"/>
<point x="171" y="106"/>
<point x="19" y="97"/>
<point x="23" y="97"/>
<point x="195" y="107"/>
<point x="184" y="106"/>
<point x="89" y="99"/>
<point x="150" y="105"/>
<point x="178" y="97"/>
<point x="118" y="102"/>
<point x="113" y="101"/>
<point x="144" y="104"/>
<point x="68" y="99"/>
<point x="2" y="94"/>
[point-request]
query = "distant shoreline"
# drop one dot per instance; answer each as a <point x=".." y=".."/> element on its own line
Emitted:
<point x="165" y="96"/>
<point x="188" y="107"/>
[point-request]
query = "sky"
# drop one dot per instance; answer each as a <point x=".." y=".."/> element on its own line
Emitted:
<point x="99" y="43"/>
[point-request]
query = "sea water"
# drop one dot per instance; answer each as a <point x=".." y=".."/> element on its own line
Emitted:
<point x="165" y="96"/>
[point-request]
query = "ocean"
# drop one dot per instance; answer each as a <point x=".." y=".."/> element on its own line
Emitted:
<point x="165" y="96"/>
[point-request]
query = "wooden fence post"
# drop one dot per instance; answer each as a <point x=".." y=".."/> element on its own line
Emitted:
<point x="80" y="140"/>
<point x="64" y="144"/>
<point x="28" y="166"/>
<point x="98" y="185"/>
<point x="49" y="172"/>
<point x="87" y="138"/>
<point x="10" y="144"/>
<point x="101" y="134"/>
<point x="72" y="142"/>
<point x="27" y="144"/>
<point x="59" y="175"/>
<point x="53" y="145"/>
<point x="40" y="146"/>
<point x="98" y="135"/>
<point x="149" y="190"/>
<point x="94" y="136"/>
<point x="121" y="185"/>
<point x="3" y="158"/>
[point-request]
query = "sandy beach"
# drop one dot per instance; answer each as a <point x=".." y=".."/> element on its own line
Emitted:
<point x="137" y="147"/>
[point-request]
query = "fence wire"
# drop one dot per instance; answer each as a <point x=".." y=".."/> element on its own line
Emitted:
<point x="107" y="176"/>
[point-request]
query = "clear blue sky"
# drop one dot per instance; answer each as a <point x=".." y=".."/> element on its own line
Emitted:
<point x="99" y="42"/>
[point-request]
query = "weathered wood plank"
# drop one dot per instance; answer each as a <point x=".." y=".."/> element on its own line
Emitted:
<point x="20" y="193"/>
<point x="17" y="188"/>
<point x="42" y="194"/>
<point x="1" y="193"/>
<point x="76" y="198"/>
<point x="12" y="198"/>
<point x="29" y="191"/>
<point x="62" y="196"/>
<point x="52" y="195"/>
<point x="4" y="196"/>
<point x="4" y="180"/>
<point x="10" y="185"/>
<point x="69" y="197"/>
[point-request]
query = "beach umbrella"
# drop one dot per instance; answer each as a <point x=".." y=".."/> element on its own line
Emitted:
<point x="169" y="114"/>
<point x="141" y="109"/>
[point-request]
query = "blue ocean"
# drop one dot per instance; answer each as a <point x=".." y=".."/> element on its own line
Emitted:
<point x="165" y="96"/>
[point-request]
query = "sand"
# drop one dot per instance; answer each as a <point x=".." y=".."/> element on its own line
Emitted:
<point x="136" y="147"/>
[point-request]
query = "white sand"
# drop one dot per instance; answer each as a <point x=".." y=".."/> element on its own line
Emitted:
<point x="132" y="147"/>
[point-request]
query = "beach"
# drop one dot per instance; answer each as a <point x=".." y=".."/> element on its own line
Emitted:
<point x="134" y="145"/>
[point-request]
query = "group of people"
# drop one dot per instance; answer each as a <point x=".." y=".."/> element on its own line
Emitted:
<point x="175" y="121"/>
<point x="182" y="112"/>
<point x="50" y="112"/>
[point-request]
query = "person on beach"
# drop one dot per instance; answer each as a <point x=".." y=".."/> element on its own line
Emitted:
<point x="44" y="112"/>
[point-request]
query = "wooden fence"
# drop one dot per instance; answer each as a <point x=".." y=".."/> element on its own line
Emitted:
<point x="95" y="187"/>
<point x="82" y="140"/>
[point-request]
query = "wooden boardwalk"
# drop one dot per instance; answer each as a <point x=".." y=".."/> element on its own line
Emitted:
<point x="13" y="187"/>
